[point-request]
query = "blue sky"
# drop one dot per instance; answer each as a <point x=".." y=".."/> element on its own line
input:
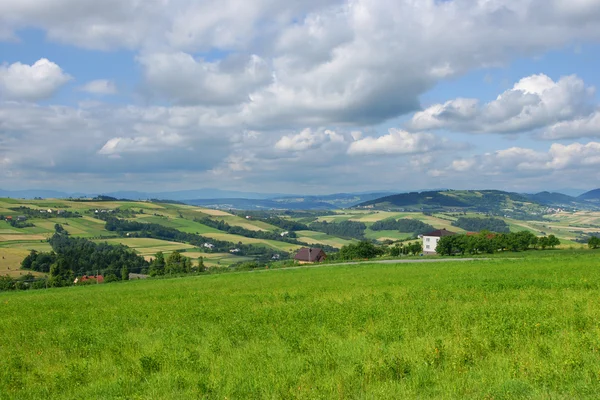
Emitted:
<point x="299" y="97"/>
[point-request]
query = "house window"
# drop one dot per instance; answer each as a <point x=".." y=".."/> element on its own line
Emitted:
<point x="428" y="239"/>
<point x="427" y="246"/>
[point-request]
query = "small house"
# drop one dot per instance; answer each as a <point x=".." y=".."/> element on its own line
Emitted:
<point x="21" y="218"/>
<point x="431" y="239"/>
<point x="310" y="255"/>
<point x="282" y="234"/>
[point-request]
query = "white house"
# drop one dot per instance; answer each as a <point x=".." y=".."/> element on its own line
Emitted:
<point x="282" y="234"/>
<point x="431" y="239"/>
<point x="209" y="245"/>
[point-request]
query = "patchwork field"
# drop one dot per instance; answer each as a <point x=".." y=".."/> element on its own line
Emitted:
<point x="490" y="329"/>
<point x="147" y="246"/>
<point x="281" y="246"/>
<point x="312" y="237"/>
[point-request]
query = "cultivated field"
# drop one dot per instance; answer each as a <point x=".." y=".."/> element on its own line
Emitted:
<point x="491" y="329"/>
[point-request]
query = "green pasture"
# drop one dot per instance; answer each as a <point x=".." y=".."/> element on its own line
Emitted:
<point x="312" y="237"/>
<point x="148" y="246"/>
<point x="521" y="328"/>
<point x="387" y="235"/>
<point x="279" y="246"/>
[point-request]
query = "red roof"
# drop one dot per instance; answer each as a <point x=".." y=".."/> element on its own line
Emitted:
<point x="310" y="254"/>
<point x="98" y="278"/>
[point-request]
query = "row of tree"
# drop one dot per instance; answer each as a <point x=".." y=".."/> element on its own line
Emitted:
<point x="175" y="263"/>
<point x="73" y="257"/>
<point x="487" y="242"/>
<point x="404" y="225"/>
<point x="482" y="224"/>
<point x="344" y="229"/>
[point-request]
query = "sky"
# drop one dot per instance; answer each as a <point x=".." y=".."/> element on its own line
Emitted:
<point x="299" y="96"/>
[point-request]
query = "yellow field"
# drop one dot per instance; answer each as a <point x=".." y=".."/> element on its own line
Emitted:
<point x="16" y="237"/>
<point x="213" y="213"/>
<point x="10" y="261"/>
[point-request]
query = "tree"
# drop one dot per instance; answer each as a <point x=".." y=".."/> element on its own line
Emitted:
<point x="201" y="266"/>
<point x="594" y="242"/>
<point x="157" y="267"/>
<point x="553" y="241"/>
<point x="124" y="273"/>
<point x="60" y="274"/>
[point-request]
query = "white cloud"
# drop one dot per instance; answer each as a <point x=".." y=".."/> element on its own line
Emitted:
<point x="558" y="158"/>
<point x="100" y="87"/>
<point x="31" y="82"/>
<point x="534" y="102"/>
<point x="141" y="144"/>
<point x="587" y="126"/>
<point x="178" y="76"/>
<point x="307" y="139"/>
<point x="395" y="142"/>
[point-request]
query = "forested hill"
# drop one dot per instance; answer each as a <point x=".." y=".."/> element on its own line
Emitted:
<point x="489" y="201"/>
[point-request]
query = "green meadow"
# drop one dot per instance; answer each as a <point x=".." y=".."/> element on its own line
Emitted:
<point x="518" y="328"/>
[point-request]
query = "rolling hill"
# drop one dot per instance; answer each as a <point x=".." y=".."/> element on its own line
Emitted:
<point x="488" y="201"/>
<point x="592" y="195"/>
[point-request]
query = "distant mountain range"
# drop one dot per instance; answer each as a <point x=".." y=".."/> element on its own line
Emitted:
<point x="482" y="200"/>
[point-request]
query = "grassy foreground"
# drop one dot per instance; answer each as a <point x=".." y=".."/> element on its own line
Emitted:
<point x="496" y="329"/>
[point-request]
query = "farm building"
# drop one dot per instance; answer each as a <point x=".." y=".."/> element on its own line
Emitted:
<point x="310" y="255"/>
<point x="431" y="239"/>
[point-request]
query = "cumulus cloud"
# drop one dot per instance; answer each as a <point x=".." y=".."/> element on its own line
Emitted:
<point x="558" y="158"/>
<point x="308" y="139"/>
<point x="587" y="126"/>
<point x="396" y="142"/>
<point x="31" y="82"/>
<point x="185" y="80"/>
<point x="534" y="102"/>
<point x="100" y="87"/>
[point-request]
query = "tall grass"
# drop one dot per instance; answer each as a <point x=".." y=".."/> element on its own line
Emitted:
<point x="498" y="328"/>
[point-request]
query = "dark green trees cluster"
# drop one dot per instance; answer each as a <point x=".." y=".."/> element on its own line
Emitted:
<point x="175" y="264"/>
<point x="359" y="251"/>
<point x="487" y="242"/>
<point x="594" y="242"/>
<point x="344" y="229"/>
<point x="482" y="224"/>
<point x="78" y="256"/>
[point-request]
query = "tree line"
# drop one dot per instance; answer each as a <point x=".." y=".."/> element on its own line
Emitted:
<point x="404" y="225"/>
<point x="344" y="229"/>
<point x="482" y="224"/>
<point x="72" y="257"/>
<point x="487" y="242"/>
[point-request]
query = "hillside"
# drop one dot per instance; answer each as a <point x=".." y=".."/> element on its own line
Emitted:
<point x="488" y="201"/>
<point x="592" y="195"/>
<point x="324" y="202"/>
<point x="553" y="199"/>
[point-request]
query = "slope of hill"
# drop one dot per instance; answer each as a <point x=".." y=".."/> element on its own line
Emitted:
<point x="553" y="199"/>
<point x="325" y="202"/>
<point x="488" y="201"/>
<point x="592" y="195"/>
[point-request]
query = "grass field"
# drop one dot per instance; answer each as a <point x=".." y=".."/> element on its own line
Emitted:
<point x="275" y="245"/>
<point x="491" y="329"/>
<point x="312" y="237"/>
<point x="147" y="246"/>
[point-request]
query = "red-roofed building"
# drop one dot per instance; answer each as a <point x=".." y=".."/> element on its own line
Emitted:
<point x="310" y="255"/>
